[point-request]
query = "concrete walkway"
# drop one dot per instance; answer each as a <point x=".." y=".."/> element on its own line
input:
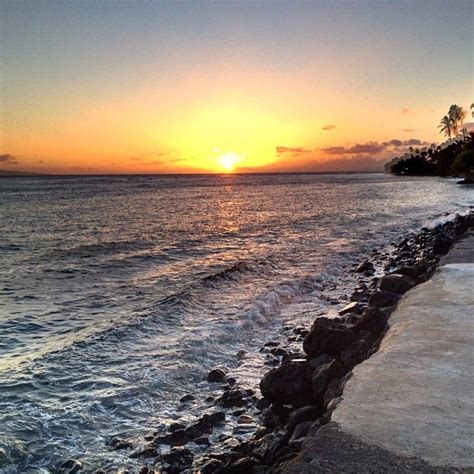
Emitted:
<point x="410" y="407"/>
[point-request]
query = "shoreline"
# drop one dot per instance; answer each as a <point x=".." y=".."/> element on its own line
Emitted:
<point x="303" y="388"/>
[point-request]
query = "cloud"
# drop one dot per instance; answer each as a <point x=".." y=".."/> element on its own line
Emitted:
<point x="8" y="159"/>
<point x="328" y="127"/>
<point x="136" y="158"/>
<point x="288" y="150"/>
<point x="369" y="148"/>
<point x="406" y="111"/>
<point x="409" y="130"/>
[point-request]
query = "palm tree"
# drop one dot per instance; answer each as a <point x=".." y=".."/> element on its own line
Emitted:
<point x="457" y="115"/>
<point x="446" y="126"/>
<point x="472" y="107"/>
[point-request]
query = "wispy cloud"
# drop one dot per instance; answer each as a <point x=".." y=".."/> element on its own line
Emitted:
<point x="408" y="130"/>
<point x="406" y="111"/>
<point x="288" y="150"/>
<point x="328" y="127"/>
<point x="369" y="148"/>
<point x="8" y="159"/>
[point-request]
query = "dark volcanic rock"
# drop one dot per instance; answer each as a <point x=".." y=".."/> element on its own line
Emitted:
<point x="216" y="375"/>
<point x="365" y="267"/>
<point x="353" y="307"/>
<point x="308" y="413"/>
<point x="233" y="398"/>
<point x="441" y="245"/>
<point x="288" y="384"/>
<point x="383" y="299"/>
<point x="396" y="283"/>
<point x="242" y="466"/>
<point x="372" y="320"/>
<point x="328" y="336"/>
<point x="270" y="445"/>
<point x="355" y="353"/>
<point x="177" y="460"/>
<point x="70" y="466"/>
<point x="323" y="375"/>
<point x="119" y="443"/>
<point x="149" y="451"/>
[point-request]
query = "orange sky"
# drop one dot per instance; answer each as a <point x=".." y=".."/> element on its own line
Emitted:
<point x="171" y="88"/>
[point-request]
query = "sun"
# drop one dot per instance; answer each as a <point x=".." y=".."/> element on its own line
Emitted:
<point x="228" y="161"/>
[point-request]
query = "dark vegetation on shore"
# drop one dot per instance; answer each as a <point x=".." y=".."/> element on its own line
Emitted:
<point x="300" y="392"/>
<point x="452" y="158"/>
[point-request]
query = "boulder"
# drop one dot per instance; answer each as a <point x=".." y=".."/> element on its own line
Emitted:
<point x="355" y="353"/>
<point x="353" y="307"/>
<point x="333" y="391"/>
<point x="177" y="460"/>
<point x="233" y="398"/>
<point x="117" y="443"/>
<point x="441" y="245"/>
<point x="327" y="336"/>
<point x="70" y="466"/>
<point x="372" y="320"/>
<point x="288" y="384"/>
<point x="323" y="375"/>
<point x="307" y="413"/>
<point x="396" y="283"/>
<point x="365" y="267"/>
<point x="383" y="299"/>
<point x="242" y="466"/>
<point x="216" y="375"/>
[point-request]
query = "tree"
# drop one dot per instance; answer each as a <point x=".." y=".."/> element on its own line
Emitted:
<point x="457" y="115"/>
<point x="446" y="126"/>
<point x="463" y="165"/>
<point x="472" y="107"/>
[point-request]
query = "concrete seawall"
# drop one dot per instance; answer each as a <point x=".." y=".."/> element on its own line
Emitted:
<point x="410" y="407"/>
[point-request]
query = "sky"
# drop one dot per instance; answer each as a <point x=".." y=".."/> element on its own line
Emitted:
<point x="242" y="86"/>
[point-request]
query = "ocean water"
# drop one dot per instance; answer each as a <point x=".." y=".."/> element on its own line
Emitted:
<point x="118" y="294"/>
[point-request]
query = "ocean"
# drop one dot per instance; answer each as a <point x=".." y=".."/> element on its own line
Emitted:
<point x="119" y="293"/>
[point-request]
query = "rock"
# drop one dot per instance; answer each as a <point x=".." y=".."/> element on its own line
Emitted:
<point x="288" y="384"/>
<point x="396" y="283"/>
<point x="177" y="460"/>
<point x="232" y="398"/>
<point x="372" y="320"/>
<point x="441" y="245"/>
<point x="204" y="425"/>
<point x="270" y="445"/>
<point x="307" y="413"/>
<point x="202" y="440"/>
<point x="187" y="398"/>
<point x="327" y="336"/>
<point x="149" y="451"/>
<point x="412" y="271"/>
<point x="320" y="360"/>
<point x="323" y="375"/>
<point x="210" y="466"/>
<point x="241" y="354"/>
<point x="333" y="391"/>
<point x="364" y="267"/>
<point x="300" y="431"/>
<point x="119" y="443"/>
<point x="175" y="427"/>
<point x="355" y="353"/>
<point x="245" y="420"/>
<point x="383" y="299"/>
<point x="175" y="438"/>
<point x="353" y="307"/>
<point x="70" y="466"/>
<point x="216" y="375"/>
<point x="242" y="466"/>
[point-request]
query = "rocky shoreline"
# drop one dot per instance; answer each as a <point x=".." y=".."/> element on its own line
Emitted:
<point x="302" y="390"/>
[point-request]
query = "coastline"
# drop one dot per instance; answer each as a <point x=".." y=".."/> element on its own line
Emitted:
<point x="303" y="389"/>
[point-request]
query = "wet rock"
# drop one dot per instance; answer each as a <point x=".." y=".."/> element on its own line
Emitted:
<point x="216" y="375"/>
<point x="175" y="427"/>
<point x="149" y="451"/>
<point x="202" y="440"/>
<point x="210" y="466"/>
<point x="244" y="465"/>
<point x="241" y="354"/>
<point x="355" y="353"/>
<point x="204" y="425"/>
<point x="245" y="420"/>
<point x="320" y="360"/>
<point x="288" y="384"/>
<point x="364" y="267"/>
<point x="271" y="344"/>
<point x="327" y="336"/>
<point x="382" y="299"/>
<point x="233" y="398"/>
<point x="177" y="460"/>
<point x="396" y="283"/>
<point x="187" y="398"/>
<point x="323" y="375"/>
<point x="70" y="466"/>
<point x="119" y="443"/>
<point x="307" y="413"/>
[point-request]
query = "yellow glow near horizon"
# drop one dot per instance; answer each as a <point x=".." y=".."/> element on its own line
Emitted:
<point x="228" y="161"/>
